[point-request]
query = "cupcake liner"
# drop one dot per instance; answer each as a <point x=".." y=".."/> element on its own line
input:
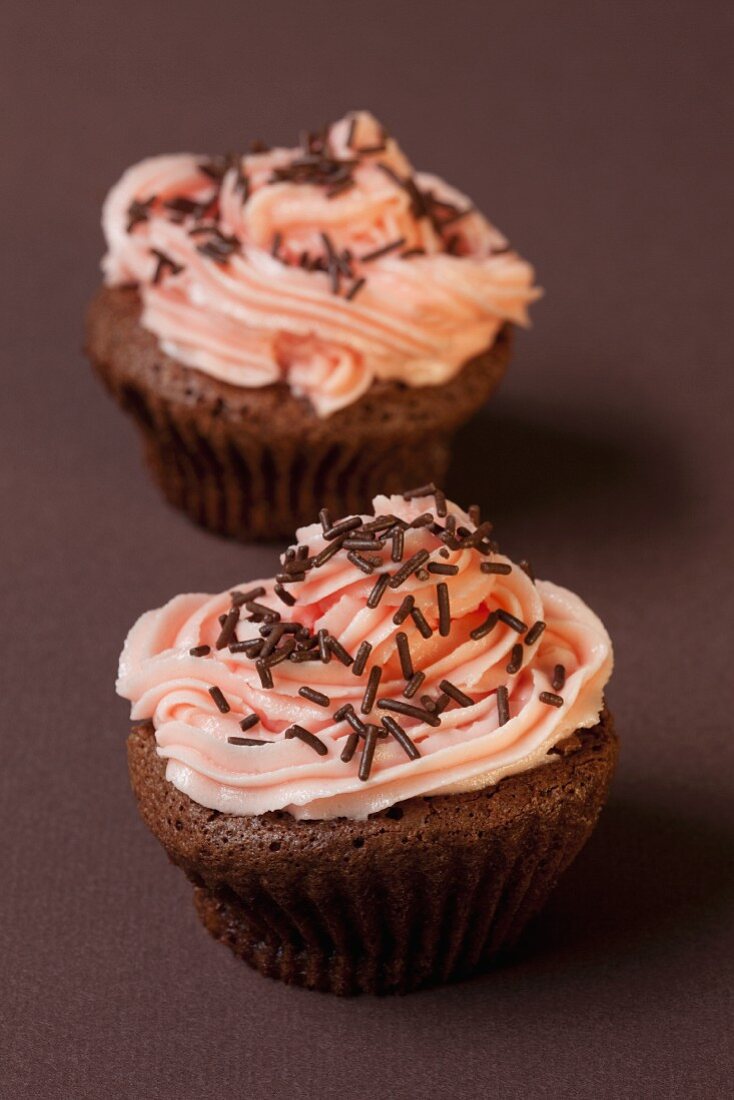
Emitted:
<point x="425" y="929"/>
<point x="258" y="463"/>
<point x="429" y="891"/>
<point x="247" y="488"/>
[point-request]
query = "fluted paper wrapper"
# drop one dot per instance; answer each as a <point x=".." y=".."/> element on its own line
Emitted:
<point x="427" y="892"/>
<point x="258" y="463"/>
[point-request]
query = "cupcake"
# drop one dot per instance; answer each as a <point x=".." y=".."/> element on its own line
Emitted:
<point x="298" y="327"/>
<point x="373" y="767"/>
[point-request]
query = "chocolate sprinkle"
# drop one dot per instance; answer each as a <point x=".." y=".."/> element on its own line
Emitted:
<point x="495" y="567"/>
<point x="515" y="663"/>
<point x="275" y="632"/>
<point x="503" y="705"/>
<point x="314" y="696"/>
<point x="456" y="694"/>
<point x="484" y="628"/>
<point x="138" y="211"/>
<point x="443" y="568"/>
<point x="239" y="598"/>
<point x="266" y="677"/>
<point x="340" y="714"/>
<point x="413" y="684"/>
<point x="269" y="614"/>
<point x="422" y="491"/>
<point x="383" y="251"/>
<point x="339" y="651"/>
<point x="339" y="187"/>
<point x="441" y="703"/>
<point x="424" y="520"/>
<point x="361" y="563"/>
<point x="409" y="711"/>
<point x="248" y="722"/>
<point x="378" y="590"/>
<point x="218" y="697"/>
<point x="534" y="633"/>
<point x="370" y="692"/>
<point x="402" y="738"/>
<point x="406" y="662"/>
<point x="354" y="289"/>
<point x="559" y="678"/>
<point x="226" y="634"/>
<point x="324" y="651"/>
<point x="165" y="264"/>
<point x="285" y="596"/>
<point x="200" y="650"/>
<point x="398" y="544"/>
<point x="368" y="752"/>
<point x="355" y="722"/>
<point x="421" y="623"/>
<point x="511" y="620"/>
<point x="444" y="609"/>
<point x="308" y="738"/>
<point x="219" y="248"/>
<point x="247" y="741"/>
<point x="550" y="699"/>
<point x="410" y="566"/>
<point x="379" y="523"/>
<point x="251" y="647"/>
<point x="403" y="611"/>
<point x="342" y="527"/>
<point x="361" y="659"/>
<point x="328" y="552"/>
<point x="350" y="747"/>
<point x="357" y="543"/>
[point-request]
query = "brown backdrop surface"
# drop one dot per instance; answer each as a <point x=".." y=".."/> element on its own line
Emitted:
<point x="594" y="134"/>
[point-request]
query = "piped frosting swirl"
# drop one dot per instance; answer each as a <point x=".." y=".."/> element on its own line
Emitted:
<point x="326" y="266"/>
<point x="394" y="655"/>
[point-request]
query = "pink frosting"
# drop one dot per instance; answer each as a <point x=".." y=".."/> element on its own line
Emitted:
<point x="470" y="748"/>
<point x="258" y="316"/>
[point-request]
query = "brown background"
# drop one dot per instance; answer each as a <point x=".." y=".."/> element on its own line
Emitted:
<point x="595" y="135"/>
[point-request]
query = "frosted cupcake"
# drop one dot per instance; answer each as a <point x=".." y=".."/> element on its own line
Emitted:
<point x="374" y="766"/>
<point x="298" y="327"/>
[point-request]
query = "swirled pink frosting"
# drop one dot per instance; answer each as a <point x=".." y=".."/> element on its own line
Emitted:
<point x="233" y="272"/>
<point x="469" y="749"/>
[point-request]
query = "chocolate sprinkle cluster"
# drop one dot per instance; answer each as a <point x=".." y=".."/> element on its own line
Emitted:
<point x="358" y="539"/>
<point x="313" y="163"/>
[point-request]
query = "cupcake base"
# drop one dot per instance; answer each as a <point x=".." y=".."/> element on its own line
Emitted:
<point x="258" y="463"/>
<point x="429" y="891"/>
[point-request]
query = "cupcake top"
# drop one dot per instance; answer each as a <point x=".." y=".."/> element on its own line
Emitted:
<point x="325" y="266"/>
<point x="394" y="655"/>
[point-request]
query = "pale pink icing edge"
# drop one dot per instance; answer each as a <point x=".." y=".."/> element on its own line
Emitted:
<point x="165" y="684"/>
<point x="256" y="320"/>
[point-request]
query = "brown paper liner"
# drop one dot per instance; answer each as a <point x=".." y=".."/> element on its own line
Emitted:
<point x="257" y="464"/>
<point x="430" y="891"/>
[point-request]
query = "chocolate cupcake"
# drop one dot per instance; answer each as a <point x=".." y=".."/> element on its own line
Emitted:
<point x="299" y="326"/>
<point x="373" y="767"/>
